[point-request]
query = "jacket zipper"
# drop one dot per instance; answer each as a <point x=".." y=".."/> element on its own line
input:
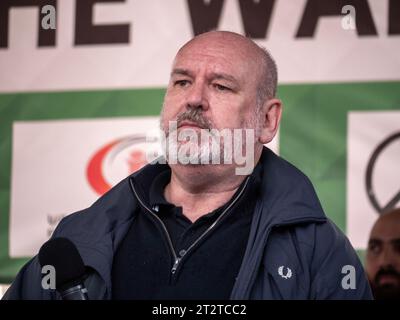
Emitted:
<point x="184" y="252"/>
<point x="176" y="259"/>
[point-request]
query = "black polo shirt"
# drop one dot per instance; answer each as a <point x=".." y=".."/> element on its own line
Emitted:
<point x="143" y="263"/>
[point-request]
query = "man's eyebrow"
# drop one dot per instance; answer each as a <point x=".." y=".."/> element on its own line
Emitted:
<point x="214" y="75"/>
<point x="374" y="241"/>
<point x="224" y="76"/>
<point x="182" y="72"/>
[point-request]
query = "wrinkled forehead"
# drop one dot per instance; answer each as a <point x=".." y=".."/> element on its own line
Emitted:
<point x="223" y="52"/>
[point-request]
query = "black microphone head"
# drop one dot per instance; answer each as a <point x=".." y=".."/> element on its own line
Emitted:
<point x="63" y="255"/>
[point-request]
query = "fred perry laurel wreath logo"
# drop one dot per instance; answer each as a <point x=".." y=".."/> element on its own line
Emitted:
<point x="286" y="275"/>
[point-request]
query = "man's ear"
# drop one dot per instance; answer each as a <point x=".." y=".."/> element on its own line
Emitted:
<point x="271" y="116"/>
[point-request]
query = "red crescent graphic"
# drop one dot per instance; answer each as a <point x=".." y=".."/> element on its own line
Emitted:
<point x="94" y="169"/>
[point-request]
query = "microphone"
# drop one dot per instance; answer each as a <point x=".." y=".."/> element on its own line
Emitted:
<point x="63" y="255"/>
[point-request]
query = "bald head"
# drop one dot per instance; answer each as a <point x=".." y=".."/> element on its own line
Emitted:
<point x="249" y="52"/>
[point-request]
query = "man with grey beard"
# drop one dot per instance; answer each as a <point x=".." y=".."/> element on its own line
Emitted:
<point x="383" y="256"/>
<point x="197" y="230"/>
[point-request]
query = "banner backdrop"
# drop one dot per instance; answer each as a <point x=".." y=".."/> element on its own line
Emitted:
<point x="77" y="101"/>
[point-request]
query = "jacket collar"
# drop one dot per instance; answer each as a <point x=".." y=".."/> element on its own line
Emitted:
<point x="288" y="196"/>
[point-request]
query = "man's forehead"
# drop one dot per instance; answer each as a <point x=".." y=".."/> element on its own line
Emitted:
<point x="211" y="64"/>
<point x="208" y="55"/>
<point x="386" y="228"/>
<point x="217" y="58"/>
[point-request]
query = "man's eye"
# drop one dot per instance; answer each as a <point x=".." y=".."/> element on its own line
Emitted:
<point x="374" y="248"/>
<point x="182" y="83"/>
<point x="220" y="87"/>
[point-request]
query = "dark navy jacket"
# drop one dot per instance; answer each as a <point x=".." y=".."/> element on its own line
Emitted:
<point x="294" y="251"/>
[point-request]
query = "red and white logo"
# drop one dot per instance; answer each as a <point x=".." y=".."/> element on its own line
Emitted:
<point x="117" y="159"/>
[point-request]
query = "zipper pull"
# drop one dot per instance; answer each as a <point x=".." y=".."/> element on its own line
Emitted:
<point x="175" y="266"/>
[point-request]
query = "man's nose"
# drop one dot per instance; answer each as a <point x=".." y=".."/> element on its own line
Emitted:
<point x="197" y="96"/>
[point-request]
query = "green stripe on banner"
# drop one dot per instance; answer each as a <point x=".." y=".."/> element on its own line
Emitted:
<point x="312" y="135"/>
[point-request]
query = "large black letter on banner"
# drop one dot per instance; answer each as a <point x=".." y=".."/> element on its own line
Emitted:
<point x="394" y="17"/>
<point x="256" y="17"/>
<point x="47" y="37"/>
<point x="315" y="9"/>
<point x="204" y="15"/>
<point x="88" y="33"/>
